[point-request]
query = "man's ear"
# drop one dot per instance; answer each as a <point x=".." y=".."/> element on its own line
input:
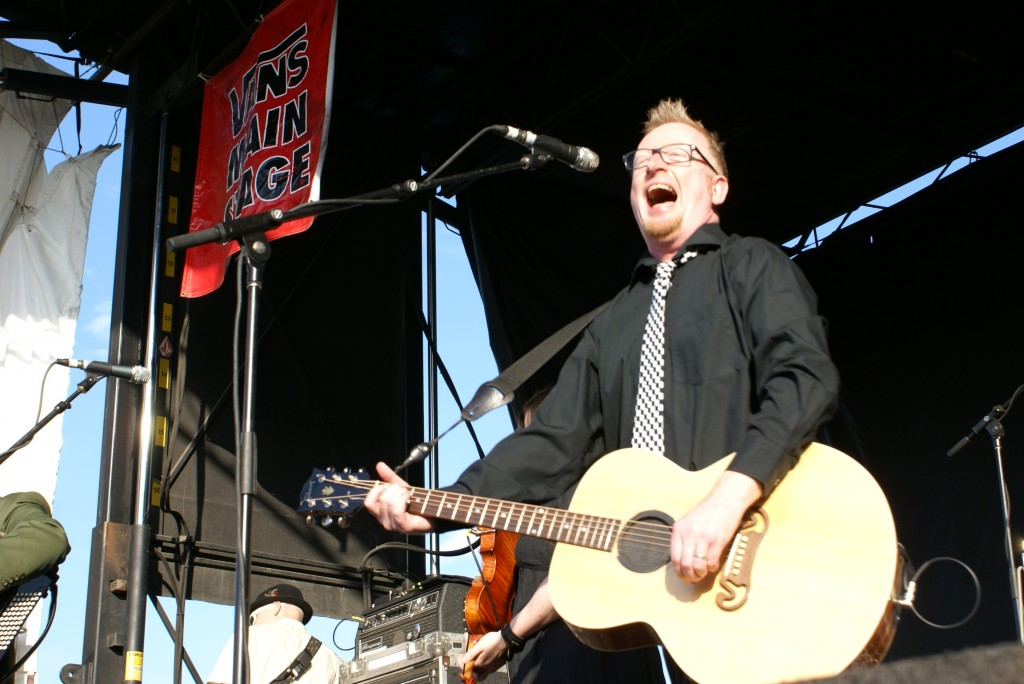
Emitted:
<point x="719" y="190"/>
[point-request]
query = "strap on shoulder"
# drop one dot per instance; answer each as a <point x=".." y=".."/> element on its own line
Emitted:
<point x="300" y="665"/>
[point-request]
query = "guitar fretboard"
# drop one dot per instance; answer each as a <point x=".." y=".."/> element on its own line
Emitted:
<point x="554" y="524"/>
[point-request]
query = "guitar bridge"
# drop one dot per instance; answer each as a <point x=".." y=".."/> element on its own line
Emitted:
<point x="736" y="574"/>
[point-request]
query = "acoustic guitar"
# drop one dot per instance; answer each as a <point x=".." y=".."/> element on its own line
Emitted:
<point x="805" y="590"/>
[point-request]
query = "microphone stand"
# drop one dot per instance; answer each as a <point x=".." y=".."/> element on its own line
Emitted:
<point x="83" y="387"/>
<point x="992" y="424"/>
<point x="995" y="429"/>
<point x="256" y="252"/>
<point x="257" y="223"/>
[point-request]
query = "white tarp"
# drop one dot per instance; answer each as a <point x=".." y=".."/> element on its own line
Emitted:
<point x="44" y="227"/>
<point x="44" y="223"/>
<point x="26" y="126"/>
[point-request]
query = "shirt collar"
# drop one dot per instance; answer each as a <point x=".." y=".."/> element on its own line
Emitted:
<point x="706" y="238"/>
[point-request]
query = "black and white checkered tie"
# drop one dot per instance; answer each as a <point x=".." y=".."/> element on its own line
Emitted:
<point x="649" y="419"/>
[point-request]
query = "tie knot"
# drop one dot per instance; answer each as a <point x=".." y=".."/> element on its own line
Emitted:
<point x="664" y="269"/>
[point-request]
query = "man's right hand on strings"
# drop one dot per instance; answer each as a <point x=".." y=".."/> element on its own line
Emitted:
<point x="388" y="501"/>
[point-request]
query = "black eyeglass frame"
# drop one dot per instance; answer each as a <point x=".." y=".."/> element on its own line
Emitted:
<point x="629" y="157"/>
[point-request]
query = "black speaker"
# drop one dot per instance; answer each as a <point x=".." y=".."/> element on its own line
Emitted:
<point x="364" y="405"/>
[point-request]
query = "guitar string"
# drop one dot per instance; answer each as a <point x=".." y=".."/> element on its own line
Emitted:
<point x="660" y="537"/>
<point x="466" y="508"/>
<point x="652" y="534"/>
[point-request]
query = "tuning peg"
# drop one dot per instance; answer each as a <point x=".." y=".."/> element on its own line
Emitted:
<point x="344" y="521"/>
<point x="309" y="521"/>
<point x="349" y="474"/>
<point x="327" y="521"/>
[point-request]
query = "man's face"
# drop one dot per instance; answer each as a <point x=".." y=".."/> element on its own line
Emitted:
<point x="670" y="202"/>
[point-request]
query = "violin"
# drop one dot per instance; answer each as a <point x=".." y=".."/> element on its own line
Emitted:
<point x="489" y="600"/>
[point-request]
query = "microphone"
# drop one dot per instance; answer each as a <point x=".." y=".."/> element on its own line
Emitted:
<point x="983" y="424"/>
<point x="579" y="158"/>
<point x="135" y="374"/>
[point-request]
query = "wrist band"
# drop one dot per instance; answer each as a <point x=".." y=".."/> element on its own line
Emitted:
<point x="514" y="643"/>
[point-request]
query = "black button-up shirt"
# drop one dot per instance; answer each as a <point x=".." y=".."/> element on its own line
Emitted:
<point x="747" y="371"/>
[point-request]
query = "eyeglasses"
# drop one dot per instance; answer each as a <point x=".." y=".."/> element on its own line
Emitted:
<point x="676" y="154"/>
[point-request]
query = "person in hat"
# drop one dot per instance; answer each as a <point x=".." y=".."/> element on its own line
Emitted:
<point x="280" y="647"/>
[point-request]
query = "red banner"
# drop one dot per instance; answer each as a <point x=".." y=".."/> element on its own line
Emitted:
<point x="263" y="132"/>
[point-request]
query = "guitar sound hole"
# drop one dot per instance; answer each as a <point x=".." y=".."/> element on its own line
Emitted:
<point x="643" y="545"/>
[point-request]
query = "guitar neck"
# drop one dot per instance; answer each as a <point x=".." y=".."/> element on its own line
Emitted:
<point x="553" y="524"/>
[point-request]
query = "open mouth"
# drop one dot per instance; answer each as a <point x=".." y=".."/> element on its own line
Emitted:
<point x="659" y="193"/>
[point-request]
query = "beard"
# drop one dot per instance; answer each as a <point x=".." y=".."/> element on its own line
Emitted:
<point x="661" y="226"/>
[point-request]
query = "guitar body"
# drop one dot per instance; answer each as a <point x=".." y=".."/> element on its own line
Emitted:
<point x="489" y="600"/>
<point x="817" y="576"/>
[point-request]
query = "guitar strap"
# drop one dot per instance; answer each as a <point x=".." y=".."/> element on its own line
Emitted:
<point x="300" y="665"/>
<point x="500" y="390"/>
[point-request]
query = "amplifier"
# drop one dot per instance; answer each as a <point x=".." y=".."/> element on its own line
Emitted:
<point x="418" y="627"/>
<point x="434" y="671"/>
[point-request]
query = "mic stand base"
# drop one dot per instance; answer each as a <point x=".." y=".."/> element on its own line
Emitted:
<point x="996" y="430"/>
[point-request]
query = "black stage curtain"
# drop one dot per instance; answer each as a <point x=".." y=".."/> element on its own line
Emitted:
<point x="924" y="327"/>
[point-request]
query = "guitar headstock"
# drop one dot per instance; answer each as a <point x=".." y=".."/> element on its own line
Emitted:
<point x="333" y="495"/>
